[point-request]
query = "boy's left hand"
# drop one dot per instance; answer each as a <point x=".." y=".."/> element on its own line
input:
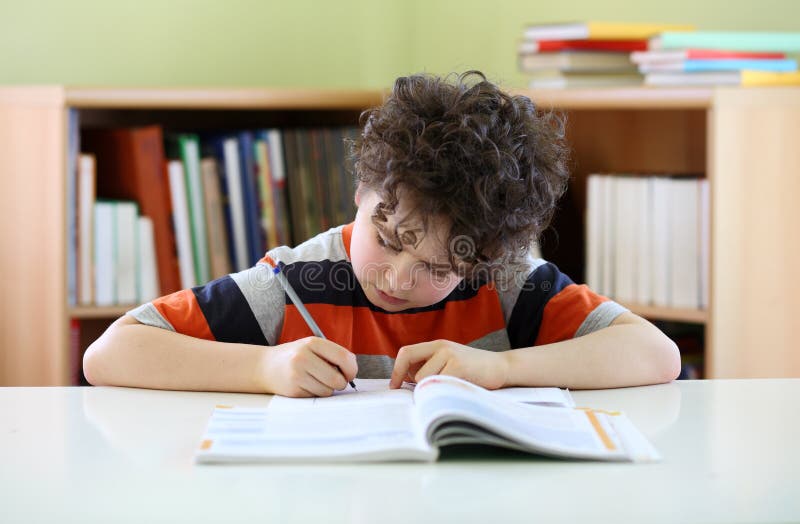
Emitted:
<point x="487" y="369"/>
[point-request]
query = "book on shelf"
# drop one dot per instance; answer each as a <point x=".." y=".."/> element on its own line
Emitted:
<point x="147" y="268"/>
<point x="277" y="169"/>
<point x="600" y="30"/>
<point x="104" y="253"/>
<point x="756" y="41"/>
<point x="676" y="55"/>
<point x="577" y="61"/>
<point x="72" y="168"/>
<point x="558" y="79"/>
<point x="269" y="218"/>
<point x="182" y="222"/>
<point x="703" y="65"/>
<point x="130" y="166"/>
<point x="731" y="78"/>
<point x="647" y="239"/>
<point x="405" y="425"/>
<point x="219" y="256"/>
<point x="189" y="153"/>
<point x="86" y="183"/>
<point x="545" y="46"/>
<point x="226" y="151"/>
<point x="126" y="257"/>
<point x="252" y="200"/>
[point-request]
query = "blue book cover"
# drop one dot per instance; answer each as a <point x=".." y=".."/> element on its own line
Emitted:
<point x="252" y="207"/>
<point x="73" y="149"/>
<point x="738" y="65"/>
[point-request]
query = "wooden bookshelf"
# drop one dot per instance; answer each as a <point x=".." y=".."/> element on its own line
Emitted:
<point x="692" y="316"/>
<point x="742" y="140"/>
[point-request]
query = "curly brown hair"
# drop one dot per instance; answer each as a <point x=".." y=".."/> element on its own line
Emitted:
<point x="487" y="160"/>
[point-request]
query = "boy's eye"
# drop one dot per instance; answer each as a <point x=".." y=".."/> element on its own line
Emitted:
<point x="385" y="245"/>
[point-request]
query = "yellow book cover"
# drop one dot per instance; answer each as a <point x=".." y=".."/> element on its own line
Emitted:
<point x="630" y="30"/>
<point x="769" y="78"/>
<point x="600" y="30"/>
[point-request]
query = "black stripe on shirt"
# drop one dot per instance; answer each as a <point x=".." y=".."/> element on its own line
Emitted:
<point x="542" y="284"/>
<point x="228" y="313"/>
<point x="334" y="283"/>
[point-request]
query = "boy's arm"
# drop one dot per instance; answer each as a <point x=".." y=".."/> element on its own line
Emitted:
<point x="135" y="355"/>
<point x="629" y="352"/>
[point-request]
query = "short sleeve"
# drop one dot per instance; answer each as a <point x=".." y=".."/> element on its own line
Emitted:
<point x="245" y="307"/>
<point x="550" y="307"/>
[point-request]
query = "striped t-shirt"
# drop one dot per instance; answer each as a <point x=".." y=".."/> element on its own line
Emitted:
<point x="533" y="303"/>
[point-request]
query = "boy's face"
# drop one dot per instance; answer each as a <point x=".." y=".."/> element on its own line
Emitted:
<point x="399" y="264"/>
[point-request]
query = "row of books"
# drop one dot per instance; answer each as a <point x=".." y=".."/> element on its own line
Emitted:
<point x="647" y="239"/>
<point x="584" y="54"/>
<point x="216" y="202"/>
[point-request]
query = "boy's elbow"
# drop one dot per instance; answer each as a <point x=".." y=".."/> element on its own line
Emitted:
<point x="96" y="355"/>
<point x="670" y="361"/>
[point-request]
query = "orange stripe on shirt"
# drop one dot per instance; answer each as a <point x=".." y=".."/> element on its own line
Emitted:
<point x="565" y="312"/>
<point x="368" y="332"/>
<point x="182" y="311"/>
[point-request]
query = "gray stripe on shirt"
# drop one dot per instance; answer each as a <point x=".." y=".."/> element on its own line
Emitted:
<point x="266" y="298"/>
<point x="374" y="366"/>
<point x="494" y="341"/>
<point x="601" y="317"/>
<point x="148" y="315"/>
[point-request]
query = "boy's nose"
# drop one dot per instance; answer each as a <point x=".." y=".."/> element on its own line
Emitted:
<point x="400" y="275"/>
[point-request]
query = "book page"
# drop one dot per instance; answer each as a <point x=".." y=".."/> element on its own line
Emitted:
<point x="455" y="410"/>
<point x="377" y="431"/>
<point x="368" y="392"/>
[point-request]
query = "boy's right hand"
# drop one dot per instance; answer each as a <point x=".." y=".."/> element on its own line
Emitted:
<point x="307" y="368"/>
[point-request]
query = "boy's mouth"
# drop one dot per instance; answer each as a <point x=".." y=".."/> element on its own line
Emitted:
<point x="389" y="299"/>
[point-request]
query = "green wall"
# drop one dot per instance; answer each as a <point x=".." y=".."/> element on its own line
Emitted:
<point x="342" y="43"/>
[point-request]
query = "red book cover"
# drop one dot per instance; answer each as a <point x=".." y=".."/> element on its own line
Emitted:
<point x="624" y="46"/>
<point x="130" y="166"/>
<point x="715" y="54"/>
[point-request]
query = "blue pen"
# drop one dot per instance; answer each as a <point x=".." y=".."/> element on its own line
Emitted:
<point x="276" y="270"/>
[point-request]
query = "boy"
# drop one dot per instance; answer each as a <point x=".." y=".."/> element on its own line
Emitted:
<point x="455" y="182"/>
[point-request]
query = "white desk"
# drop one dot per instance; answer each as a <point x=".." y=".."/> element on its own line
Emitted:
<point x="731" y="454"/>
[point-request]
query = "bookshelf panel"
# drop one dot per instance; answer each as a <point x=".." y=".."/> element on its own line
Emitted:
<point x="33" y="323"/>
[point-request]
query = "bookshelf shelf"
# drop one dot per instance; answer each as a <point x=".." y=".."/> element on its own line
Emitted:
<point x="622" y="98"/>
<point x="743" y="140"/>
<point x="226" y="98"/>
<point x="693" y="316"/>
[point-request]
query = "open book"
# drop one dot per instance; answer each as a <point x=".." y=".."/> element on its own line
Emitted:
<point x="412" y="425"/>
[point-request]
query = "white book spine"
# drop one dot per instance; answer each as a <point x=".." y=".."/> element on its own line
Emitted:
<point x="644" y="241"/>
<point x="236" y="198"/>
<point x="197" y="211"/>
<point x="625" y="248"/>
<point x="705" y="241"/>
<point x="276" y="165"/>
<point x="86" y="197"/>
<point x="662" y="242"/>
<point x="685" y="253"/>
<point x="594" y="239"/>
<point x="127" y="260"/>
<point x="148" y="269"/>
<point x="608" y="220"/>
<point x="104" y="272"/>
<point x="180" y="217"/>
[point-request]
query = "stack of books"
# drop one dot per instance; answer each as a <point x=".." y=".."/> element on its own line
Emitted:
<point x="585" y="54"/>
<point x="719" y="58"/>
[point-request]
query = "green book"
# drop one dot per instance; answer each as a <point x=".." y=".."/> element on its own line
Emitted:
<point x="729" y="40"/>
<point x="190" y="156"/>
